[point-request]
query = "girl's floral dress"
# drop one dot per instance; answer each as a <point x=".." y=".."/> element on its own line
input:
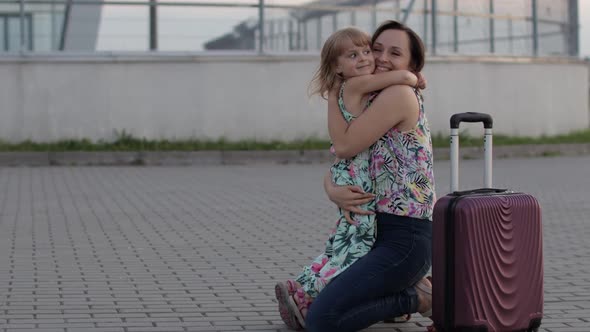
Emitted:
<point x="346" y="242"/>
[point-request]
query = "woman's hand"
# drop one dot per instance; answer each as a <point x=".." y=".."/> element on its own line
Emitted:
<point x="348" y="198"/>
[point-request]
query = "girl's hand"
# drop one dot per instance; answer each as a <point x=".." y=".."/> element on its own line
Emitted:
<point x="421" y="81"/>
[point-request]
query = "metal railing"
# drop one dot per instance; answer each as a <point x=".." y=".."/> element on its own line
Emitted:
<point x="308" y="24"/>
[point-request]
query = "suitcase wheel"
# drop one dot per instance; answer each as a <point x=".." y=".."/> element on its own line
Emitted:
<point x="534" y="325"/>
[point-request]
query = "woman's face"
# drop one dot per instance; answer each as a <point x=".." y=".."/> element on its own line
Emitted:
<point x="392" y="51"/>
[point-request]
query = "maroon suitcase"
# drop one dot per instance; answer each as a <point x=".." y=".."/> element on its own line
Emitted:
<point x="487" y="270"/>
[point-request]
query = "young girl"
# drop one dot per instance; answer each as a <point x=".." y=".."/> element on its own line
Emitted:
<point x="346" y="67"/>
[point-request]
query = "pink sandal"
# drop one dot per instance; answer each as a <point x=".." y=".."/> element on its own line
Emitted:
<point x="292" y="302"/>
<point x="286" y="304"/>
<point x="291" y="286"/>
<point x="299" y="302"/>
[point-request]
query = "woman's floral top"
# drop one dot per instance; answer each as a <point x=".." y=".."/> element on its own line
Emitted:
<point x="346" y="243"/>
<point x="402" y="167"/>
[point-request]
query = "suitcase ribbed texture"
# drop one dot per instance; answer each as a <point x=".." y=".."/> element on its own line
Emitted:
<point x="496" y="259"/>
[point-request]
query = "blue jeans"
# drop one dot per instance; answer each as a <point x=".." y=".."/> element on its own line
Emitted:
<point x="379" y="285"/>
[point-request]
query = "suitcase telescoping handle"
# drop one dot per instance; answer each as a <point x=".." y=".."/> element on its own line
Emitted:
<point x="456" y="119"/>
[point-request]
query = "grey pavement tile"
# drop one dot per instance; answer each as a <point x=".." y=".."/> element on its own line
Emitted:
<point x="125" y="324"/>
<point x="155" y="329"/>
<point x="260" y="328"/>
<point x="96" y="329"/>
<point x="9" y="316"/>
<point x="35" y="330"/>
<point x="36" y="321"/>
<point x="200" y="248"/>
<point x="68" y="325"/>
<point x="18" y="326"/>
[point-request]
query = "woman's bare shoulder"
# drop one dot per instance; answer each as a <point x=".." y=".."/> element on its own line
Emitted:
<point x="399" y="90"/>
<point x="402" y="101"/>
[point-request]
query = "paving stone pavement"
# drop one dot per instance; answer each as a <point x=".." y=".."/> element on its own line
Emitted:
<point x="200" y="248"/>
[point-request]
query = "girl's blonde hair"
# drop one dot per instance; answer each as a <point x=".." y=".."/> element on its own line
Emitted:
<point x="325" y="78"/>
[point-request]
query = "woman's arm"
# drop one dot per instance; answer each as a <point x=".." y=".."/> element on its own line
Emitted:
<point x="348" y="198"/>
<point x="393" y="105"/>
<point x="374" y="82"/>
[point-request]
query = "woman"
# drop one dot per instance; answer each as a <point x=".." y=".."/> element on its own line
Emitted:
<point x="347" y="64"/>
<point x="388" y="281"/>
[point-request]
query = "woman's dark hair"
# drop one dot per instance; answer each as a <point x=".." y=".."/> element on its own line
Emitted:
<point x="416" y="45"/>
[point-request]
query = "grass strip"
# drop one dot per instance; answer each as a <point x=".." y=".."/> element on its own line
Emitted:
<point x="126" y="142"/>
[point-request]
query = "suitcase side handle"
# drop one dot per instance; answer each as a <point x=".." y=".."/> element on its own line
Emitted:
<point x="456" y="119"/>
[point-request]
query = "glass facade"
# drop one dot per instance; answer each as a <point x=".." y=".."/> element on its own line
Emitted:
<point x="42" y="27"/>
<point x="10" y="31"/>
<point x="470" y="27"/>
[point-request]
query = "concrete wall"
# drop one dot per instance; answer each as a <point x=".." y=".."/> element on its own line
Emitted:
<point x="47" y="98"/>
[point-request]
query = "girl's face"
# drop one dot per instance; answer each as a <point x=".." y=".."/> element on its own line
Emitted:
<point x="391" y="51"/>
<point x="355" y="60"/>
